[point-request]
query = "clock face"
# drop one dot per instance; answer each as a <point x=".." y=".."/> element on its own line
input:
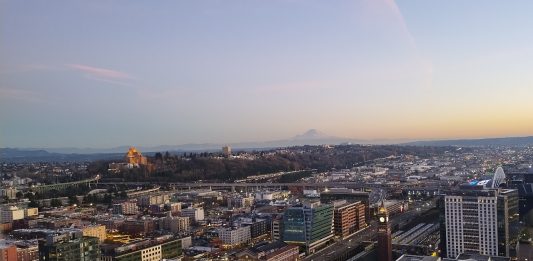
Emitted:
<point x="381" y="219"/>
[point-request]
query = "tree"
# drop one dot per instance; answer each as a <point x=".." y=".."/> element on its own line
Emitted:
<point x="29" y="196"/>
<point x="108" y="198"/>
<point x="525" y="235"/>
<point x="73" y="200"/>
<point x="55" y="203"/>
<point x="123" y="195"/>
<point x="33" y="204"/>
<point x="20" y="194"/>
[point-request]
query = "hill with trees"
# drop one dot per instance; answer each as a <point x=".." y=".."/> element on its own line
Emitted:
<point x="190" y="167"/>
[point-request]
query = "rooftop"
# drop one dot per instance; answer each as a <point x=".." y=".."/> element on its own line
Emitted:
<point x="417" y="258"/>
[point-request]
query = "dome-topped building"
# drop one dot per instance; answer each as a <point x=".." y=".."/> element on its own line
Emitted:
<point x="135" y="158"/>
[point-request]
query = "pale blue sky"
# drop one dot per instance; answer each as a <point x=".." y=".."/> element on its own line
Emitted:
<point x="104" y="73"/>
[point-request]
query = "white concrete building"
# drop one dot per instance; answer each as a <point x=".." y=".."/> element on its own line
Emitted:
<point x="195" y="214"/>
<point x="235" y="236"/>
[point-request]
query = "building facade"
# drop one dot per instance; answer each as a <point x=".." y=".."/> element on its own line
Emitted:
<point x="174" y="224"/>
<point x="81" y="248"/>
<point x="309" y="225"/>
<point x="154" y="249"/>
<point x="384" y="235"/>
<point x="97" y="231"/>
<point x="234" y="237"/>
<point x="27" y="252"/>
<point x="195" y="214"/>
<point x="348" y="218"/>
<point x="349" y="195"/>
<point x="125" y="208"/>
<point x="8" y="253"/>
<point x="476" y="220"/>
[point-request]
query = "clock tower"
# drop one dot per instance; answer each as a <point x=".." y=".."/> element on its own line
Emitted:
<point x="384" y="235"/>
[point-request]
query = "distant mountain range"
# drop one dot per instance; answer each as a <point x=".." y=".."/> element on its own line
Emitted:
<point x="311" y="137"/>
<point x="506" y="141"/>
<point x="28" y="155"/>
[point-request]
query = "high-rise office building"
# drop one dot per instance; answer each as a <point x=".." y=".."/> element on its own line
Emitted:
<point x="384" y="235"/>
<point x="309" y="225"/>
<point x="476" y="218"/>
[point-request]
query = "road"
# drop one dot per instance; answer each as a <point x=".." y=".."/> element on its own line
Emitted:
<point x="341" y="249"/>
<point x="344" y="249"/>
<point x="242" y="185"/>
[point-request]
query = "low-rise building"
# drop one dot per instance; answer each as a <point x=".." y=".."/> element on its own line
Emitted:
<point x="174" y="224"/>
<point x="154" y="249"/>
<point x="125" y="208"/>
<point x="140" y="227"/>
<point x="258" y="226"/>
<point x="194" y="213"/>
<point x="153" y="199"/>
<point x="8" y="252"/>
<point x="71" y="245"/>
<point x="9" y="214"/>
<point x="234" y="236"/>
<point x="97" y="231"/>
<point x="239" y="201"/>
<point x="27" y="250"/>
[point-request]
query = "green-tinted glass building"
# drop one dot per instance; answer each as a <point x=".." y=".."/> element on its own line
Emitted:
<point x="309" y="225"/>
<point x="82" y="249"/>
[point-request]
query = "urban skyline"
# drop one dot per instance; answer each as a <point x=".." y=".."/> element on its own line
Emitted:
<point x="109" y="73"/>
<point x="254" y="130"/>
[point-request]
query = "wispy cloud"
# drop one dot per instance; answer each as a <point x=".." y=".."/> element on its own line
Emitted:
<point x="424" y="64"/>
<point x="102" y="74"/>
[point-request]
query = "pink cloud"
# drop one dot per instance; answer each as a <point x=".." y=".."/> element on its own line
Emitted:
<point x="100" y="72"/>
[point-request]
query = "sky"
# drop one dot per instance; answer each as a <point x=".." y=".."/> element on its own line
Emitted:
<point x="106" y="73"/>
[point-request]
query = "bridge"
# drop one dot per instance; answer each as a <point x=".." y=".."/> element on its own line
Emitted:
<point x="235" y="186"/>
<point x="63" y="186"/>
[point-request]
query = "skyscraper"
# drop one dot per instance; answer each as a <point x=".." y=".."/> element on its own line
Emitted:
<point x="309" y="225"/>
<point x="384" y="235"/>
<point x="475" y="219"/>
